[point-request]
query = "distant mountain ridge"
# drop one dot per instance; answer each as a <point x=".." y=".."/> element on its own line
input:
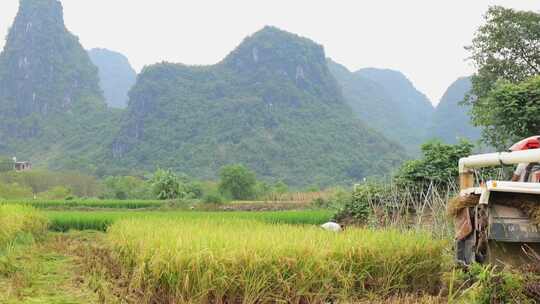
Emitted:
<point x="275" y="104"/>
<point x="388" y="102"/>
<point x="50" y="100"/>
<point x="116" y="76"/>
<point x="451" y="120"/>
<point x="271" y="104"/>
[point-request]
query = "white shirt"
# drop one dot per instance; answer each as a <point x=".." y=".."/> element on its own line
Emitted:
<point x="331" y="226"/>
<point x="521" y="170"/>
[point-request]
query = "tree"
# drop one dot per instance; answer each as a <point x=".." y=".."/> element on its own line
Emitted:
<point x="510" y="112"/>
<point x="165" y="185"/>
<point x="126" y="187"/>
<point x="505" y="48"/>
<point x="238" y="182"/>
<point x="439" y="164"/>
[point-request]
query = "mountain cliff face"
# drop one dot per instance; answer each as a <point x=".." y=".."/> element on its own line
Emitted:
<point x="271" y="104"/>
<point x="388" y="102"/>
<point x="50" y="100"/>
<point x="451" y="120"/>
<point x="116" y="76"/>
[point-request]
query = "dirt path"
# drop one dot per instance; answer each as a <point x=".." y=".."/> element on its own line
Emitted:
<point x="44" y="272"/>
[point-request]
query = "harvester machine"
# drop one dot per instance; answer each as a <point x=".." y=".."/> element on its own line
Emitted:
<point x="497" y="226"/>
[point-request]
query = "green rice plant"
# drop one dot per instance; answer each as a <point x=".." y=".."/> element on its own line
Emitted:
<point x="91" y="203"/>
<point x="17" y="221"/>
<point x="100" y="220"/>
<point x="243" y="261"/>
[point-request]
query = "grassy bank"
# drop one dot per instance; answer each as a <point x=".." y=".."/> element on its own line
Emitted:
<point x="100" y="220"/>
<point x="253" y="262"/>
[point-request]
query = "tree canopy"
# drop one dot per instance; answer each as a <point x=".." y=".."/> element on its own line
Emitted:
<point x="506" y="48"/>
<point x="238" y="182"/>
<point x="439" y="163"/>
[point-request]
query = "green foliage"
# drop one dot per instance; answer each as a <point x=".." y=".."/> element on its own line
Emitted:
<point x="337" y="201"/>
<point x="505" y="48"/>
<point x="15" y="190"/>
<point x="358" y="209"/>
<point x="280" y="187"/>
<point x="238" y="182"/>
<point x="39" y="181"/>
<point x="57" y="192"/>
<point x="165" y="185"/>
<point x="6" y="164"/>
<point x="100" y="220"/>
<point x="126" y="187"/>
<point x="485" y="284"/>
<point x="213" y="198"/>
<point x="509" y="112"/>
<point x="439" y="164"/>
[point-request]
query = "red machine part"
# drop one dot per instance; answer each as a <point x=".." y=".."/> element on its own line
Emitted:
<point x="532" y="142"/>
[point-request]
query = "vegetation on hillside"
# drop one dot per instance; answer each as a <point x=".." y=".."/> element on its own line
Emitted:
<point x="271" y="105"/>
<point x="53" y="112"/>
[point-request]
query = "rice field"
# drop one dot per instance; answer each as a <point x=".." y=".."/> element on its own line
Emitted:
<point x="18" y="221"/>
<point x="242" y="261"/>
<point x="63" y="221"/>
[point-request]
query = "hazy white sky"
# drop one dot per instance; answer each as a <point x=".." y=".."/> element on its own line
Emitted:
<point x="422" y="38"/>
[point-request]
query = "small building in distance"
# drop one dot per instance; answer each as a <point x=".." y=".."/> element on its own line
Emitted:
<point x="20" y="166"/>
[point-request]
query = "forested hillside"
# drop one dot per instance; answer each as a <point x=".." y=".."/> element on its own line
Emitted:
<point x="271" y="104"/>
<point x="52" y="109"/>
<point x="275" y="104"/>
<point x="380" y="107"/>
<point x="116" y="76"/>
<point x="452" y="120"/>
<point x="414" y="106"/>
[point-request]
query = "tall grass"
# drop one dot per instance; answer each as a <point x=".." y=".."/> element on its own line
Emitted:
<point x="100" y="220"/>
<point x="17" y="221"/>
<point x="233" y="261"/>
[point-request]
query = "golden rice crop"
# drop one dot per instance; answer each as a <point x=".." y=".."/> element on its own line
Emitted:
<point x="17" y="220"/>
<point x="232" y="261"/>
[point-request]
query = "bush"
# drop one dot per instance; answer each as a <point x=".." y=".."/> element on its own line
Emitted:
<point x="338" y="200"/>
<point x="57" y="192"/>
<point x="237" y="181"/>
<point x="165" y="185"/>
<point x="358" y="209"/>
<point x="126" y="187"/>
<point x="213" y="198"/>
<point x="439" y="164"/>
